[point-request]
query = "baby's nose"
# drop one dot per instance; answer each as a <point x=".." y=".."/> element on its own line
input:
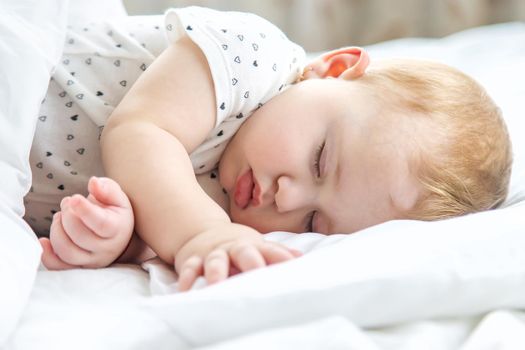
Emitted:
<point x="291" y="195"/>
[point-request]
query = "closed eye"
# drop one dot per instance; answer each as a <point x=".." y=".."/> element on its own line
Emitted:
<point x="310" y="222"/>
<point x="317" y="162"/>
<point x="317" y="168"/>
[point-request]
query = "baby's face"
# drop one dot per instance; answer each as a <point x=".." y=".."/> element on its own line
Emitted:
<point x="318" y="157"/>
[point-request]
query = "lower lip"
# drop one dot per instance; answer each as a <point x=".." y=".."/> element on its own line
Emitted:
<point x="243" y="190"/>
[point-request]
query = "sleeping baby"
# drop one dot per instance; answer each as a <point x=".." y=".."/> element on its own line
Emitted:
<point x="196" y="131"/>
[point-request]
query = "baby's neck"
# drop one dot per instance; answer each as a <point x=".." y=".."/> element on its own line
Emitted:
<point x="210" y="184"/>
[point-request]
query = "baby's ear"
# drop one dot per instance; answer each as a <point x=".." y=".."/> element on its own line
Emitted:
<point x="345" y="63"/>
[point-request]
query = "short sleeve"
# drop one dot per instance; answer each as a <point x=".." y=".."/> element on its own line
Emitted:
<point x="250" y="59"/>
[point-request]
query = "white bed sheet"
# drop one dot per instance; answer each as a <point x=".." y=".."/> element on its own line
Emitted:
<point x="451" y="284"/>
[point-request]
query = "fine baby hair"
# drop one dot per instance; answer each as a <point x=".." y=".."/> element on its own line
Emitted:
<point x="460" y="147"/>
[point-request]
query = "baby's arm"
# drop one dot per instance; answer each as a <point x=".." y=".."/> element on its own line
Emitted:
<point x="89" y="231"/>
<point x="146" y="144"/>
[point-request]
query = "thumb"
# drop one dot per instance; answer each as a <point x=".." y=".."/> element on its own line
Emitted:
<point x="50" y="260"/>
<point x="108" y="192"/>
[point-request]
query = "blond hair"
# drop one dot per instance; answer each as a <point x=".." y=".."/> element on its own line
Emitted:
<point x="464" y="161"/>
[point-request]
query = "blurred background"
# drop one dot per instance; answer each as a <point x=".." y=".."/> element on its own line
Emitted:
<point x="327" y="24"/>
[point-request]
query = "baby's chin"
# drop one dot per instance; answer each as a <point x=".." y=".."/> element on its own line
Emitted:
<point x="243" y="217"/>
<point x="237" y="216"/>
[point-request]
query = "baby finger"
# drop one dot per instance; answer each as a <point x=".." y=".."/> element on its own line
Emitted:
<point x="64" y="247"/>
<point x="216" y="266"/>
<point x="77" y="231"/>
<point x="94" y="217"/>
<point x="274" y="253"/>
<point x="50" y="260"/>
<point x="246" y="257"/>
<point x="190" y="270"/>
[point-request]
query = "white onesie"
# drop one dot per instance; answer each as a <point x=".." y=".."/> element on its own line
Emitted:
<point x="250" y="60"/>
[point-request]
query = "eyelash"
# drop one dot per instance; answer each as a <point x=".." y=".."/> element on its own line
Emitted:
<point x="310" y="220"/>
<point x="318" y="159"/>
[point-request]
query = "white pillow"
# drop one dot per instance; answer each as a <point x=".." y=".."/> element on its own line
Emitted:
<point x="31" y="39"/>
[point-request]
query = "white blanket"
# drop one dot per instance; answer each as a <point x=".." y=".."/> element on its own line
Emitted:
<point x="451" y="284"/>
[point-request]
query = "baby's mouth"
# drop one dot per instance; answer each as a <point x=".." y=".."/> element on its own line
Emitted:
<point x="256" y="192"/>
<point x="244" y="189"/>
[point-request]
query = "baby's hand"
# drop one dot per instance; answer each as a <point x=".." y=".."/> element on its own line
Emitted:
<point x="227" y="250"/>
<point x="89" y="232"/>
